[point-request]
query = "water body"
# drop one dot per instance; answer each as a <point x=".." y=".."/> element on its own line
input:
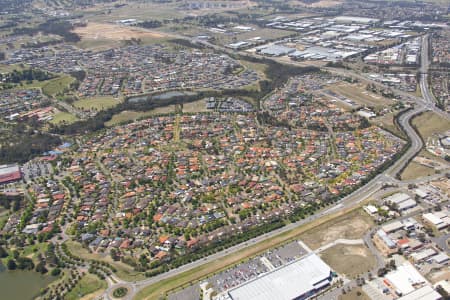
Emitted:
<point x="21" y="285"/>
<point x="163" y="96"/>
<point x="172" y="94"/>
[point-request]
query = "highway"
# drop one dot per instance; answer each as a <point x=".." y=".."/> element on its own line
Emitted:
<point x="372" y="187"/>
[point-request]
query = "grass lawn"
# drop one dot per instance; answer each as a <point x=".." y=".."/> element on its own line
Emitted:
<point x="387" y="122"/>
<point x="124" y="271"/>
<point x="10" y="68"/>
<point x="351" y="260"/>
<point x="61" y="117"/>
<point x="97" y="103"/>
<point x="355" y="294"/>
<point x="158" y="290"/>
<point x="430" y="123"/>
<point x="196" y="106"/>
<point x="87" y="285"/>
<point x="415" y="170"/>
<point x="359" y="94"/>
<point x="127" y="115"/>
<point x="57" y="85"/>
<point x="349" y="226"/>
<point x="259" y="68"/>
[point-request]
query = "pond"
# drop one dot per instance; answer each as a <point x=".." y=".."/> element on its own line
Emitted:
<point x="163" y="96"/>
<point x="21" y="284"/>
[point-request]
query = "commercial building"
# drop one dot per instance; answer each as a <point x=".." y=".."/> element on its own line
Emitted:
<point x="297" y="280"/>
<point x="9" y="173"/>
<point x="384" y="243"/>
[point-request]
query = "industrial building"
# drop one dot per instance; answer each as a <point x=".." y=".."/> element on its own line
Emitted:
<point x="298" y="280"/>
<point x="402" y="201"/>
<point x="276" y="50"/>
<point x="439" y="220"/>
<point x="9" y="173"/>
<point x="409" y="284"/>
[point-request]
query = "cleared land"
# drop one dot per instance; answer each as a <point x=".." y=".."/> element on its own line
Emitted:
<point x="350" y="260"/>
<point x="355" y="294"/>
<point x="321" y="3"/>
<point x="96" y="103"/>
<point x="159" y="289"/>
<point x="415" y="170"/>
<point x="104" y="31"/>
<point x="127" y="115"/>
<point x="196" y="106"/>
<point x="350" y="226"/>
<point x="430" y="123"/>
<point x="86" y="288"/>
<point x="359" y="94"/>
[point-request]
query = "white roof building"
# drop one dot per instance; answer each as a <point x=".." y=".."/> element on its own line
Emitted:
<point x="424" y="293"/>
<point x="299" y="278"/>
<point x="438" y="220"/>
<point x="424" y="254"/>
<point x="405" y="278"/>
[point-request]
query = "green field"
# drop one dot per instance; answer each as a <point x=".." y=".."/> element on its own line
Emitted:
<point x="61" y="117"/>
<point x="87" y="285"/>
<point x="96" y="103"/>
<point x="128" y="116"/>
<point x="124" y="271"/>
<point x="57" y="85"/>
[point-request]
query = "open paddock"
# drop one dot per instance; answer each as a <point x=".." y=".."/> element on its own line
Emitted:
<point x="349" y="260"/>
<point x="349" y="226"/>
<point x="107" y="31"/>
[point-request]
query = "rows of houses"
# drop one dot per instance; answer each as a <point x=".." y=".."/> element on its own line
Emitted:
<point x="170" y="184"/>
<point x="139" y="69"/>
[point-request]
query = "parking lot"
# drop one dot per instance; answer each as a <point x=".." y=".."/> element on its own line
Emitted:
<point x="246" y="271"/>
<point x="32" y="170"/>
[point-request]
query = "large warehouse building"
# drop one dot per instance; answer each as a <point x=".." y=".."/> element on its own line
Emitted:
<point x="9" y="173"/>
<point x="298" y="280"/>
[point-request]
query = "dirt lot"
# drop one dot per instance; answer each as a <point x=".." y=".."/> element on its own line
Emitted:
<point x="443" y="185"/>
<point x="355" y="294"/>
<point x="416" y="170"/>
<point x="105" y="31"/>
<point x="350" y="260"/>
<point x="321" y="3"/>
<point x="350" y="226"/>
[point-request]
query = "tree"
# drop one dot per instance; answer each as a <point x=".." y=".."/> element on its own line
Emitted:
<point x="25" y="263"/>
<point x="3" y="252"/>
<point x="55" y="272"/>
<point x="11" y="264"/>
<point x="41" y="268"/>
<point x="442" y="291"/>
